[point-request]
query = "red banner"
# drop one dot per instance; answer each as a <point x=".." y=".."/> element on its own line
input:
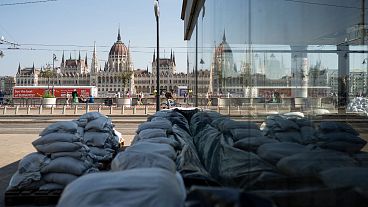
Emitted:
<point x="58" y="92"/>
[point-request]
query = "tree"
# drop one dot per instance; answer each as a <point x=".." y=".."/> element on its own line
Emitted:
<point x="48" y="73"/>
<point x="125" y="77"/>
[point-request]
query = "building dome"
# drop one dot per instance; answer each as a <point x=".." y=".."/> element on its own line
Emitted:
<point x="119" y="48"/>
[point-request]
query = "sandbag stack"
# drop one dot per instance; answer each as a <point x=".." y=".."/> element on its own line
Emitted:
<point x="67" y="150"/>
<point x="143" y="175"/>
<point x="63" y="143"/>
<point x="100" y="136"/>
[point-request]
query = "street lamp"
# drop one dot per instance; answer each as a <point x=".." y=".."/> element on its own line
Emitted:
<point x="157" y="14"/>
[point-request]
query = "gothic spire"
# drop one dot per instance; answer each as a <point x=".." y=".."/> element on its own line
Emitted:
<point x="33" y="69"/>
<point x="154" y="56"/>
<point x="119" y="37"/>
<point x="174" y="58"/>
<point x="224" y="37"/>
<point x="70" y="57"/>
<point x="62" y="59"/>
<point x="85" y="60"/>
<point x="79" y="58"/>
<point x="171" y="55"/>
<point x="19" y="68"/>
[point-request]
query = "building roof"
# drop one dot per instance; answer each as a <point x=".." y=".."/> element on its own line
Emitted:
<point x="118" y="48"/>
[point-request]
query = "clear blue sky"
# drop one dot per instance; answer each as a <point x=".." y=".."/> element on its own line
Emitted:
<point x="81" y="22"/>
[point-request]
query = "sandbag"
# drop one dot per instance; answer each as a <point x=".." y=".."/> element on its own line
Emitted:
<point x="154" y="125"/>
<point x="131" y="159"/>
<point x="252" y="143"/>
<point x="92" y="116"/>
<point x="289" y="136"/>
<point x="273" y="152"/>
<point x="157" y="148"/>
<point x="308" y="135"/>
<point x="330" y="126"/>
<point x="51" y="186"/>
<point x="227" y="124"/>
<point x="238" y="134"/>
<point x="309" y="164"/>
<point x="162" y="140"/>
<point x="136" y="187"/>
<point x="28" y="174"/>
<point x="59" y="178"/>
<point x="362" y="158"/>
<point x="61" y="147"/>
<point x="102" y="154"/>
<point x="345" y="177"/>
<point x="61" y="126"/>
<point x="56" y="137"/>
<point x="151" y="133"/>
<point x="99" y="124"/>
<point x="76" y="154"/>
<point x="66" y="165"/>
<point x="199" y="122"/>
<point x="341" y="141"/>
<point x="96" y="139"/>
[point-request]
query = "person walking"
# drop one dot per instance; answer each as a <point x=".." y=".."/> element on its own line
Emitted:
<point x="75" y="96"/>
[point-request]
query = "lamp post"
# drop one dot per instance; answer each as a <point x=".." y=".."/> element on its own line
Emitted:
<point x="366" y="76"/>
<point x="157" y="14"/>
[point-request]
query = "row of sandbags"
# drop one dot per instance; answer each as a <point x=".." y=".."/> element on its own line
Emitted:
<point x="65" y="151"/>
<point x="239" y="154"/>
<point x="144" y="174"/>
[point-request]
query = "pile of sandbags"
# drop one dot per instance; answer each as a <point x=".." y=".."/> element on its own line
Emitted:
<point x="143" y="175"/>
<point x="100" y="136"/>
<point x="67" y="150"/>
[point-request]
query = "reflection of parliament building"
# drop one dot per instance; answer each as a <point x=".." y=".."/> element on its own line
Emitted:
<point x="108" y="79"/>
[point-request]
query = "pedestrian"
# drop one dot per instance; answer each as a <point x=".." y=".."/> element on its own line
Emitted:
<point x="67" y="98"/>
<point x="75" y="96"/>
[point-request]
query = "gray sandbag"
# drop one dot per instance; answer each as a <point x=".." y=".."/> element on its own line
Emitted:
<point x="239" y="168"/>
<point x="76" y="154"/>
<point x="102" y="154"/>
<point x="207" y="143"/>
<point x="57" y="137"/>
<point x="198" y="122"/>
<point x="362" y="158"/>
<point x="61" y="147"/>
<point x="238" y="134"/>
<point x="61" y="126"/>
<point x="187" y="160"/>
<point x="155" y="125"/>
<point x="289" y="136"/>
<point x="162" y="140"/>
<point x="51" y="186"/>
<point x="309" y="164"/>
<point x="92" y="116"/>
<point x="284" y="123"/>
<point x="59" y="178"/>
<point x="66" y="165"/>
<point x="252" y="143"/>
<point x="162" y="149"/>
<point x="99" y="124"/>
<point x="131" y="159"/>
<point x="273" y="152"/>
<point x="96" y="139"/>
<point x="28" y="174"/>
<point x="308" y="135"/>
<point x="345" y="177"/>
<point x="227" y="124"/>
<point x="341" y="141"/>
<point x="151" y="133"/>
<point x="330" y="126"/>
<point x="136" y="187"/>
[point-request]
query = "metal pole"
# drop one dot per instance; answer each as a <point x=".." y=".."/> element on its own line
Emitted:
<point x="196" y="68"/>
<point x="158" y="68"/>
<point x="157" y="14"/>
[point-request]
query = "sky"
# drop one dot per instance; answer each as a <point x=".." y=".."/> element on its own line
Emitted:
<point x="51" y="27"/>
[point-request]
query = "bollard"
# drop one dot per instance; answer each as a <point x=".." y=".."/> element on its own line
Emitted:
<point x="16" y="109"/>
<point x="134" y="109"/>
<point x="110" y="109"/>
<point x="64" y="109"/>
<point x="5" y="107"/>
<point x="228" y="110"/>
<point x="87" y="108"/>
<point x="52" y="109"/>
<point x="239" y="110"/>
<point x="28" y="109"/>
<point x="122" y="109"/>
<point x="145" y="109"/>
<point x="218" y="109"/>
<point x="40" y="110"/>
<point x="75" y="109"/>
<point x="99" y="108"/>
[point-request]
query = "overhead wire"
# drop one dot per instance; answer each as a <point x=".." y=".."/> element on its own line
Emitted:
<point x="26" y="2"/>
